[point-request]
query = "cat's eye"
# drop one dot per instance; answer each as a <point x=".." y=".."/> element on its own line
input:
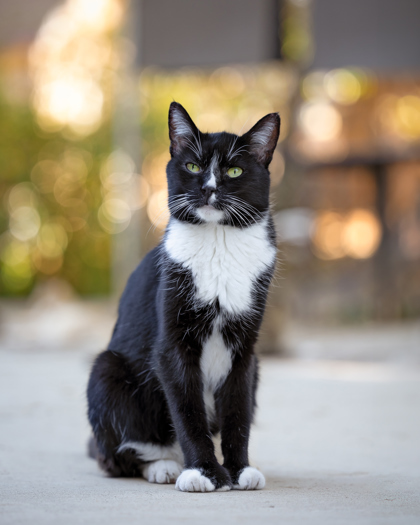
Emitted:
<point x="193" y="167"/>
<point x="234" y="172"/>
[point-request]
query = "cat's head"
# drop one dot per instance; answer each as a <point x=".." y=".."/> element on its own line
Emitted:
<point x="219" y="177"/>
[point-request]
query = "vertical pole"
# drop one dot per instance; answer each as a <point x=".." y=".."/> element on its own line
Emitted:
<point x="126" y="245"/>
<point x="385" y="300"/>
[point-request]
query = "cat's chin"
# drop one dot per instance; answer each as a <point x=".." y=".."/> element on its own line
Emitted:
<point x="209" y="214"/>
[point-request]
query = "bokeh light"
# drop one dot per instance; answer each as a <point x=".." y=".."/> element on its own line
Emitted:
<point x="320" y="121"/>
<point x="399" y="116"/>
<point x="327" y="235"/>
<point x="356" y="234"/>
<point x="342" y="86"/>
<point x="24" y="223"/>
<point x="17" y="269"/>
<point x="72" y="62"/>
<point x="408" y="115"/>
<point x="157" y="209"/>
<point x="362" y="234"/>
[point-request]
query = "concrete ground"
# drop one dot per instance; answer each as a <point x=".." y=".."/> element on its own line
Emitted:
<point x="338" y="441"/>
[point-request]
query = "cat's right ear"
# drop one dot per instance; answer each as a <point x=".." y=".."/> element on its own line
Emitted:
<point x="182" y="130"/>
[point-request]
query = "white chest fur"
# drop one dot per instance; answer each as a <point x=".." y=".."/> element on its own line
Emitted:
<point x="215" y="365"/>
<point x="225" y="261"/>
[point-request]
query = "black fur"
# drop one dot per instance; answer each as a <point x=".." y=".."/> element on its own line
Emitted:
<point x="147" y="386"/>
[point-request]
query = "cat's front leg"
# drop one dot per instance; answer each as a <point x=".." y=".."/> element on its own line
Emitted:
<point x="180" y="376"/>
<point x="235" y="403"/>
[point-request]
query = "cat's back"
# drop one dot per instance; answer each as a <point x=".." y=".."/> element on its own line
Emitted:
<point x="137" y="309"/>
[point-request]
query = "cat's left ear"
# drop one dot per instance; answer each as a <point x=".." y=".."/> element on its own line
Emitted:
<point x="263" y="137"/>
<point x="182" y="130"/>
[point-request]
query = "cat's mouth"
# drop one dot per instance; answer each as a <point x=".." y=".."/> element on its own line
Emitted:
<point x="208" y="213"/>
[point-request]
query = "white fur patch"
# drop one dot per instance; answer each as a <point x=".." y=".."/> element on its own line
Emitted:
<point x="211" y="182"/>
<point x="215" y="364"/>
<point x="152" y="452"/>
<point x="225" y="261"/>
<point x="225" y="488"/>
<point x="191" y="480"/>
<point x="210" y="214"/>
<point x="181" y="127"/>
<point x="162" y="471"/>
<point x="250" y="479"/>
<point x="263" y="136"/>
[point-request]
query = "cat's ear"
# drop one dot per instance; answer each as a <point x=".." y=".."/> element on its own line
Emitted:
<point x="263" y="137"/>
<point x="182" y="130"/>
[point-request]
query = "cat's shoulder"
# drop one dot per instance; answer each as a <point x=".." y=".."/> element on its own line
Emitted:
<point x="145" y="275"/>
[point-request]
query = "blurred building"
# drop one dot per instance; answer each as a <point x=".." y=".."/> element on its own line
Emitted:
<point x="20" y="20"/>
<point x="88" y="95"/>
<point x="207" y="34"/>
<point x="357" y="137"/>
<point x="381" y="35"/>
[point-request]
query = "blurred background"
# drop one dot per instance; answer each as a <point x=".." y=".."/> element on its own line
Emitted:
<point x="85" y="88"/>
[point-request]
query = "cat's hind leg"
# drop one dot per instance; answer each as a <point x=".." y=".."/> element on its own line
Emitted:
<point x="162" y="471"/>
<point x="129" y="419"/>
<point x="160" y="464"/>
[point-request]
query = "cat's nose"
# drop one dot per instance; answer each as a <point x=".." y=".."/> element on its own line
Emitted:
<point x="207" y="192"/>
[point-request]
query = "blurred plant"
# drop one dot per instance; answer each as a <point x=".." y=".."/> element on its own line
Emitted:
<point x="63" y="201"/>
<point x="297" y="46"/>
<point x="73" y="62"/>
<point x="50" y="190"/>
<point x="51" y="158"/>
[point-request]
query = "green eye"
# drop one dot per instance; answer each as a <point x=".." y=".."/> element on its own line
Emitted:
<point x="193" y="167"/>
<point x="234" y="172"/>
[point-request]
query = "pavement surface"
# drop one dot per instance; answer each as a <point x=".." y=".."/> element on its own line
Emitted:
<point x="338" y="441"/>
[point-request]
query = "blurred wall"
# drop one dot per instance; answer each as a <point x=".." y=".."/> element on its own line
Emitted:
<point x="20" y="19"/>
<point x="383" y="35"/>
<point x="201" y="33"/>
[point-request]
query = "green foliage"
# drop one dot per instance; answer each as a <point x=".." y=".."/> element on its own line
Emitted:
<point x="50" y="192"/>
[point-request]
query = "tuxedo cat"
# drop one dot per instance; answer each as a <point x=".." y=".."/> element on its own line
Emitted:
<point x="180" y="366"/>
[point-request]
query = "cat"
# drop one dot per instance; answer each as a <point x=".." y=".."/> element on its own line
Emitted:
<point x="180" y="366"/>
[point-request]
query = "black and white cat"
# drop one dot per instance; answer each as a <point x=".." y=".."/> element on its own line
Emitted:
<point x="180" y="366"/>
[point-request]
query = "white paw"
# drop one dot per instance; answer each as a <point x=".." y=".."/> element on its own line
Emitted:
<point x="250" y="479"/>
<point x="162" y="471"/>
<point x="191" y="480"/>
<point x="225" y="488"/>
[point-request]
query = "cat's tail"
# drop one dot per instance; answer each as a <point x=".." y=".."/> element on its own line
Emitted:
<point x="113" y="466"/>
<point x="92" y="448"/>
